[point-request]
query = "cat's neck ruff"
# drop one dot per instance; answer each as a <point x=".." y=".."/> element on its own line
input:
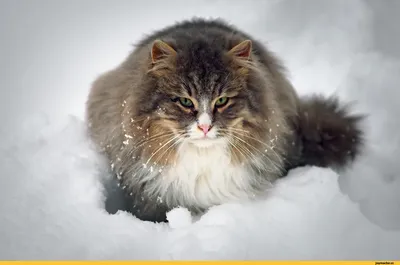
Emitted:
<point x="204" y="176"/>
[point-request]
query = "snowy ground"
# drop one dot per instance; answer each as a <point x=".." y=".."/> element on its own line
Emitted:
<point x="51" y="197"/>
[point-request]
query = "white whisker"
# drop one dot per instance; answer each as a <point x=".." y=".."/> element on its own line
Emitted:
<point x="175" y="137"/>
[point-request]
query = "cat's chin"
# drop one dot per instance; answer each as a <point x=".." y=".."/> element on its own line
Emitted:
<point x="206" y="142"/>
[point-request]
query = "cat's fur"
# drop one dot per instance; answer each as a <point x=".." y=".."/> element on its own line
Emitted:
<point x="153" y="142"/>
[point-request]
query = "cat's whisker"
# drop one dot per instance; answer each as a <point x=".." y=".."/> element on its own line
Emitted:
<point x="149" y="141"/>
<point x="240" y="147"/>
<point x="178" y="139"/>
<point x="245" y="149"/>
<point x="154" y="137"/>
<point x="248" y="151"/>
<point x="170" y="148"/>
<point x="269" y="147"/>
<point x="246" y="135"/>
<point x="159" y="149"/>
<point x="256" y="149"/>
<point x="236" y="147"/>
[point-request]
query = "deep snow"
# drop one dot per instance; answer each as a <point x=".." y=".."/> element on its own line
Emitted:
<point x="51" y="196"/>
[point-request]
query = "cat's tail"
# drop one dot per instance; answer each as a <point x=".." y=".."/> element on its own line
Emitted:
<point x="330" y="135"/>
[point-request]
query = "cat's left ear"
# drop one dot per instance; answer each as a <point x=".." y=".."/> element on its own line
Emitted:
<point x="242" y="50"/>
<point x="161" y="51"/>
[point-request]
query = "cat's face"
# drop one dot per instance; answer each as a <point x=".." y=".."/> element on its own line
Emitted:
<point x="204" y="111"/>
<point x="202" y="96"/>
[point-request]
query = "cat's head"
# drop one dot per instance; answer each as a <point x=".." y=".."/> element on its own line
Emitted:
<point x="205" y="95"/>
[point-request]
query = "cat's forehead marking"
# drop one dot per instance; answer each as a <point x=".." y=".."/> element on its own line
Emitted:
<point x="203" y="82"/>
<point x="204" y="117"/>
<point x="196" y="81"/>
<point x="204" y="105"/>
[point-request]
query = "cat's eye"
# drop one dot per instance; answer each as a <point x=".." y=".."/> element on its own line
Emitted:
<point x="221" y="102"/>
<point x="187" y="103"/>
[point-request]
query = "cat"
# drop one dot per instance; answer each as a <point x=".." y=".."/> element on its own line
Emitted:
<point x="200" y="114"/>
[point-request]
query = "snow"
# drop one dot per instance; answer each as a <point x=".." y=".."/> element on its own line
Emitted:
<point x="51" y="192"/>
<point x="179" y="217"/>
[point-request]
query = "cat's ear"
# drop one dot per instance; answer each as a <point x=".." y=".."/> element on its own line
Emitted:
<point x="242" y="50"/>
<point x="161" y="51"/>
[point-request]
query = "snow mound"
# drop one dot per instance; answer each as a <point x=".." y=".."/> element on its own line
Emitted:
<point x="179" y="217"/>
<point x="52" y="205"/>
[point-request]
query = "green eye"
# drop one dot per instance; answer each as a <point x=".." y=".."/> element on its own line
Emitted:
<point x="221" y="102"/>
<point x="186" y="102"/>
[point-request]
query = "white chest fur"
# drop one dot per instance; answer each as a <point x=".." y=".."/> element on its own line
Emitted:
<point x="203" y="177"/>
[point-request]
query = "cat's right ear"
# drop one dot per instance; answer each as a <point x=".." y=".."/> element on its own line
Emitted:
<point x="241" y="54"/>
<point x="161" y="51"/>
<point x="162" y="58"/>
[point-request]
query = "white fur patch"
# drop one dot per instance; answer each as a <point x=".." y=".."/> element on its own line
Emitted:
<point x="203" y="177"/>
<point x="205" y="119"/>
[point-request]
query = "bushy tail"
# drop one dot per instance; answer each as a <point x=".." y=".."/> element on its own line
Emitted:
<point x="330" y="135"/>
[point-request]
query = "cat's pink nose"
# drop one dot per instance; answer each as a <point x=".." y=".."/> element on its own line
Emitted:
<point x="204" y="127"/>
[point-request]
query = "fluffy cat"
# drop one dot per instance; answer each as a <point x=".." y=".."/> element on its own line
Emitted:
<point x="200" y="114"/>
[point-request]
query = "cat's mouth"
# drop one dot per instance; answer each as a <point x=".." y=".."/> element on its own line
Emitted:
<point x="207" y="141"/>
<point x="199" y="137"/>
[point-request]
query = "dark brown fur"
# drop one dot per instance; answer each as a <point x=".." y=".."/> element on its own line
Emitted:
<point x="331" y="137"/>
